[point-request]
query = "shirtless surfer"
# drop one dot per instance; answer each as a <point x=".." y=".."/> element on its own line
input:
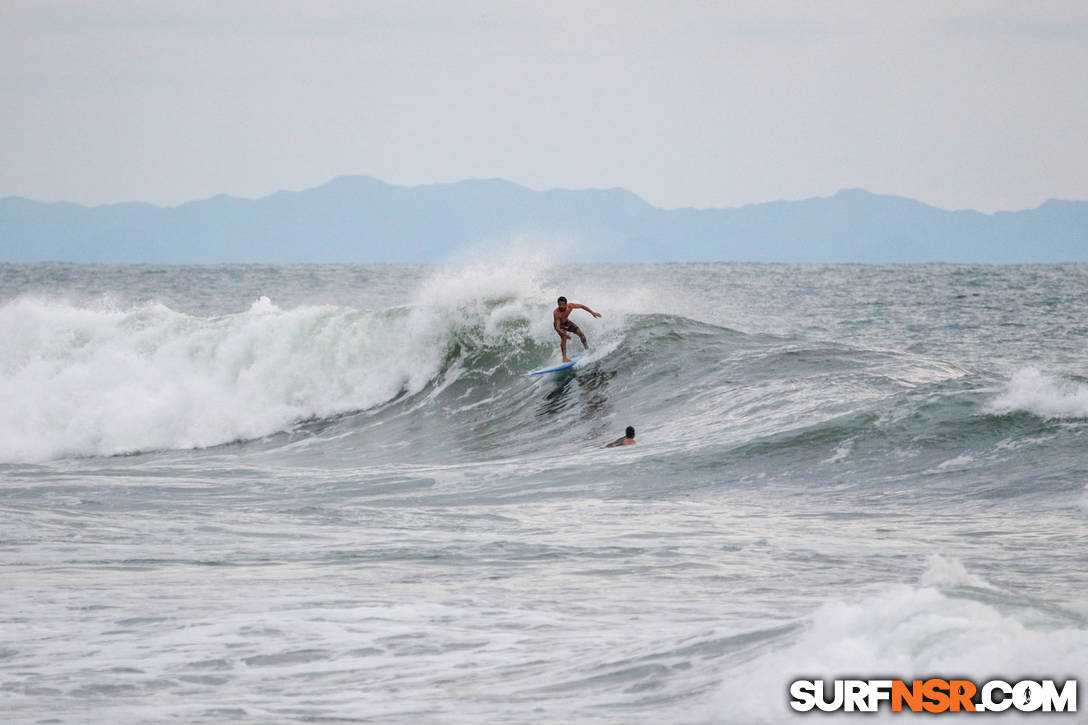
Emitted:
<point x="627" y="440"/>
<point x="564" y="326"/>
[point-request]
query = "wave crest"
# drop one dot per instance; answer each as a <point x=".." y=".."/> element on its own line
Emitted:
<point x="1032" y="391"/>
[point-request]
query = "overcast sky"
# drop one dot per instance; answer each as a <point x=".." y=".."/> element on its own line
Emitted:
<point x="964" y="104"/>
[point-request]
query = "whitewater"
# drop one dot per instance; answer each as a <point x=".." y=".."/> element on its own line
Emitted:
<point x="276" y="494"/>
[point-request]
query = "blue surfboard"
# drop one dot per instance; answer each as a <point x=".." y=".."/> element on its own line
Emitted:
<point x="557" y="368"/>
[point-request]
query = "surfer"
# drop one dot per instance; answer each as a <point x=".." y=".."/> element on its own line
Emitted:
<point x="563" y="325"/>
<point x="627" y="440"/>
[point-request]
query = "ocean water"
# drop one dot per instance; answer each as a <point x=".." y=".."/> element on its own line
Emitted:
<point x="329" y="494"/>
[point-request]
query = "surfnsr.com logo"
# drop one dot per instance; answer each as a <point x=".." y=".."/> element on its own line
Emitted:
<point x="934" y="695"/>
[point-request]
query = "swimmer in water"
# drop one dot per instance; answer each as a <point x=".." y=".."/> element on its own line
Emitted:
<point x="627" y="440"/>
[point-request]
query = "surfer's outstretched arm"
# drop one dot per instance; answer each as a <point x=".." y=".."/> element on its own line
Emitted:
<point x="583" y="307"/>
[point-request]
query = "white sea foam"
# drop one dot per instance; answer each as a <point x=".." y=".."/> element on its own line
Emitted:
<point x="960" y="462"/>
<point x="1032" y="391"/>
<point x="841" y="453"/>
<point x="104" y="381"/>
<point x="947" y="572"/>
<point x="904" y="632"/>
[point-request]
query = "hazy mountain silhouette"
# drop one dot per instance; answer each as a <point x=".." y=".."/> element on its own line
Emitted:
<point x="359" y="219"/>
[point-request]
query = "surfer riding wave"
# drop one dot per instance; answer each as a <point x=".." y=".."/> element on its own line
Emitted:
<point x="564" y="327"/>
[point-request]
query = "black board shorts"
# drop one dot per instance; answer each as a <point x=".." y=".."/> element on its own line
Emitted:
<point x="569" y="326"/>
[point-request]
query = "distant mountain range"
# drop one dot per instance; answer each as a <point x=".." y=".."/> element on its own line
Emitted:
<point x="360" y="219"/>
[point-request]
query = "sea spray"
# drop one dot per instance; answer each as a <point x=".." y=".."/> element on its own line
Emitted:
<point x="949" y="623"/>
<point x="84" y="381"/>
<point x="1047" y="396"/>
